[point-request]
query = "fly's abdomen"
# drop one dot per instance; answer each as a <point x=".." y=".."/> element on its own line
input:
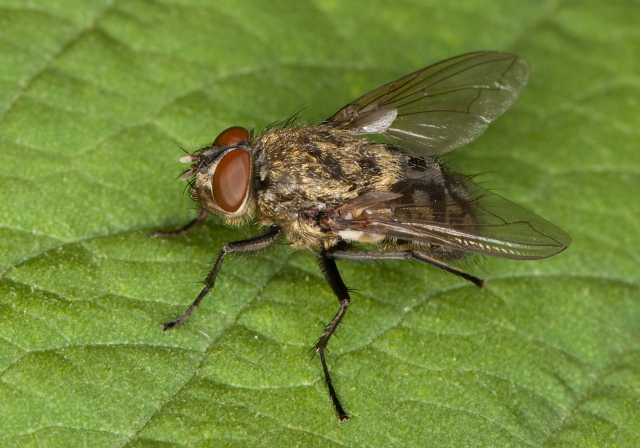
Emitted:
<point x="431" y="193"/>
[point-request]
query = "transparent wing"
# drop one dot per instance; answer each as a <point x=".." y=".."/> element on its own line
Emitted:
<point x="482" y="222"/>
<point x="441" y="107"/>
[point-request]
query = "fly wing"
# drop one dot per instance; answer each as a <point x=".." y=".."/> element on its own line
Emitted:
<point x="478" y="221"/>
<point x="441" y="107"/>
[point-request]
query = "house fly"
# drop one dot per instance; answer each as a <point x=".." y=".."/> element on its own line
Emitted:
<point x="328" y="189"/>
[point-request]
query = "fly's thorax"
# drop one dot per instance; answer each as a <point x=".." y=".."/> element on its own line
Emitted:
<point x="309" y="168"/>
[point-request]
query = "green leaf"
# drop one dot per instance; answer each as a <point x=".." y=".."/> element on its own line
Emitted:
<point x="95" y="100"/>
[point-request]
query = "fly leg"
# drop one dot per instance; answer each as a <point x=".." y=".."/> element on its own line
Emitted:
<point x="255" y="243"/>
<point x="331" y="274"/>
<point x="403" y="255"/>
<point x="202" y="214"/>
<point x="420" y="256"/>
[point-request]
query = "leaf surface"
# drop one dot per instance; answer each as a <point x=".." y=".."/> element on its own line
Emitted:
<point x="95" y="100"/>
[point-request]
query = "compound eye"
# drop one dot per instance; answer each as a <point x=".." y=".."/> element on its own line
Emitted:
<point x="232" y="136"/>
<point x="231" y="179"/>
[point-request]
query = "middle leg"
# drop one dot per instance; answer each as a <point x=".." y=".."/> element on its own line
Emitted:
<point x="332" y="275"/>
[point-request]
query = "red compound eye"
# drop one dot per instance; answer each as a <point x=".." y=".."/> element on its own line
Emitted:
<point x="231" y="179"/>
<point x="232" y="136"/>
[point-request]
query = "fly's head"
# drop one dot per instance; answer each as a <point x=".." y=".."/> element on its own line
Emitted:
<point x="223" y="176"/>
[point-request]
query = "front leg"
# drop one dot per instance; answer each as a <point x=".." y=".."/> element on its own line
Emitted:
<point x="202" y="214"/>
<point x="252" y="244"/>
<point x="332" y="275"/>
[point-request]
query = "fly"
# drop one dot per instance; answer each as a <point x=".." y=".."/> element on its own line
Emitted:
<point x="327" y="189"/>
